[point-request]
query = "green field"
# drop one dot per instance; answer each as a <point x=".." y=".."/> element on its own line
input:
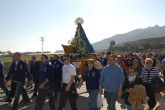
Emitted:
<point x="5" y="59"/>
<point x="24" y="57"/>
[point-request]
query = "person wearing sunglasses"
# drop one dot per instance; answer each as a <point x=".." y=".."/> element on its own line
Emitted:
<point x="68" y="89"/>
<point x="149" y="72"/>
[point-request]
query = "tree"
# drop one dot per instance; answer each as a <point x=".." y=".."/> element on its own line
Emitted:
<point x="112" y="43"/>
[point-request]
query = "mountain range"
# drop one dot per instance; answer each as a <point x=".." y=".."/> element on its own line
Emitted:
<point x="137" y="34"/>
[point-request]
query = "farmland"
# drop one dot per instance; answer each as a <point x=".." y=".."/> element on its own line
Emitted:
<point x="6" y="59"/>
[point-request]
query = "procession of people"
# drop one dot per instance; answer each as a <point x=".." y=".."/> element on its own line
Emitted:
<point x="55" y="79"/>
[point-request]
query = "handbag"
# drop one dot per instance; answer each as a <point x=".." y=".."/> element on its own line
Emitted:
<point x="157" y="81"/>
<point x="159" y="89"/>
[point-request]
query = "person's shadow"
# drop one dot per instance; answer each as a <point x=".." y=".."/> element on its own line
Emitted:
<point x="7" y="106"/>
<point x="82" y="104"/>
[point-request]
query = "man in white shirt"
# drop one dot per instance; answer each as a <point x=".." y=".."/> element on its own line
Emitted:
<point x="68" y="90"/>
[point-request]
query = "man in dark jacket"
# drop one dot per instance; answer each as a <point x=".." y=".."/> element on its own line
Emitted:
<point x="17" y="73"/>
<point x="57" y="65"/>
<point x="46" y="78"/>
<point x="34" y="70"/>
<point x="2" y="84"/>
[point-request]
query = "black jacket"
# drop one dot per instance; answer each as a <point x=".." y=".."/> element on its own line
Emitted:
<point x="1" y="71"/>
<point x="128" y="85"/>
<point x="19" y="72"/>
<point x="35" y="70"/>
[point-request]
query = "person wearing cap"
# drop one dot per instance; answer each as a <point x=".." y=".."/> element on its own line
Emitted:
<point x="2" y="84"/>
<point x="91" y="77"/>
<point x="68" y="89"/>
<point x="46" y="78"/>
<point x="57" y="65"/>
<point x="97" y="63"/>
<point x="18" y="70"/>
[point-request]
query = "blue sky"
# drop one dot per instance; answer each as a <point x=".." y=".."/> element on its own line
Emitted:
<point x="23" y="22"/>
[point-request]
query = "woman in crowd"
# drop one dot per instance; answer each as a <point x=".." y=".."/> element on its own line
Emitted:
<point x="149" y="72"/>
<point x="91" y="77"/>
<point x="129" y="84"/>
<point x="121" y="63"/>
<point x="138" y="67"/>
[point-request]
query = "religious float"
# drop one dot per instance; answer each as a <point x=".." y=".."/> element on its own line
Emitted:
<point x="79" y="47"/>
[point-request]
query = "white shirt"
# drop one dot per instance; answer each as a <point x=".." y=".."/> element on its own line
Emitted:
<point x="67" y="72"/>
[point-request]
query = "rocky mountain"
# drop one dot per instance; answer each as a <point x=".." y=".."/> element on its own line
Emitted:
<point x="150" y="32"/>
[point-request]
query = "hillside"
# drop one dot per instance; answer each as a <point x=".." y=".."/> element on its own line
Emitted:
<point x="140" y="45"/>
<point x="150" y="32"/>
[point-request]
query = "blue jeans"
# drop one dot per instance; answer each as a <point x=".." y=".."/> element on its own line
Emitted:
<point x="129" y="107"/>
<point x="92" y="105"/>
<point x="17" y="88"/>
<point x="111" y="98"/>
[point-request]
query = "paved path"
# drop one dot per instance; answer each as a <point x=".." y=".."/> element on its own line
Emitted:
<point x="82" y="102"/>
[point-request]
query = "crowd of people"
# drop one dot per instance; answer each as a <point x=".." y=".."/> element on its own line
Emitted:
<point x="111" y="75"/>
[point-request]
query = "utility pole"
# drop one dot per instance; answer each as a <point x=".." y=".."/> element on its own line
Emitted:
<point x="42" y="41"/>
